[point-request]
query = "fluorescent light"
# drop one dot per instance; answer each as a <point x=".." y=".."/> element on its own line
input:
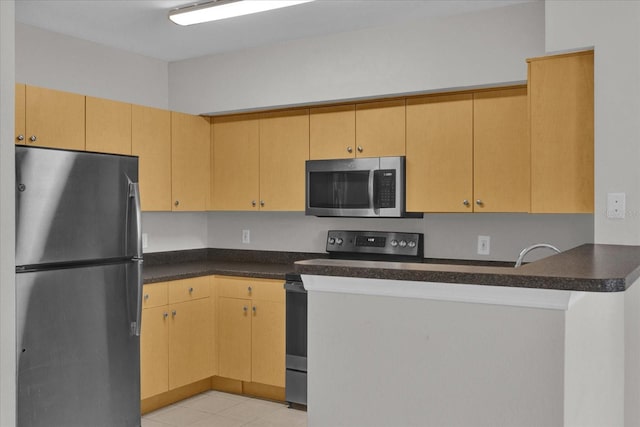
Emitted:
<point x="222" y="9"/>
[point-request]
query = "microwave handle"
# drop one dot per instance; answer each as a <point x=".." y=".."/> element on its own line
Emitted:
<point x="372" y="189"/>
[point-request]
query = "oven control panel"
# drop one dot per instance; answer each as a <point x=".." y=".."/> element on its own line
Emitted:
<point x="381" y="243"/>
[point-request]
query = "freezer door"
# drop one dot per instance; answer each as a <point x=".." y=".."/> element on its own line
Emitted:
<point x="78" y="360"/>
<point x="74" y="206"/>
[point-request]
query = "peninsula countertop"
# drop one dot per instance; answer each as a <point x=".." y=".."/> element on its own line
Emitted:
<point x="589" y="267"/>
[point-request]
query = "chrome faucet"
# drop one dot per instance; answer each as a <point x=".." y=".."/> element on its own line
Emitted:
<point x="532" y="247"/>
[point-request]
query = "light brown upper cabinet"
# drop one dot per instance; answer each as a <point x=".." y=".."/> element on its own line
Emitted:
<point x="284" y="148"/>
<point x="440" y="153"/>
<point x="561" y="109"/>
<point x="50" y="118"/>
<point x="380" y="128"/>
<point x="501" y="153"/>
<point x="108" y="125"/>
<point x="151" y="142"/>
<point x="332" y="132"/>
<point x="190" y="155"/>
<point x="235" y="174"/>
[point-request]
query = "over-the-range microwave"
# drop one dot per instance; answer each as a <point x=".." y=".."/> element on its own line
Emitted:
<point x="359" y="187"/>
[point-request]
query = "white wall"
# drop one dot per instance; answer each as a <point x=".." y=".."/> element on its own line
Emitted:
<point x="56" y="61"/>
<point x="7" y="221"/>
<point x="169" y="231"/>
<point x="613" y="28"/>
<point x="467" y="50"/>
<point x="446" y="235"/>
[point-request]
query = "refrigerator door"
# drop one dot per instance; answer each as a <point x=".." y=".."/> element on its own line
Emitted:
<point x="75" y="206"/>
<point x="78" y="360"/>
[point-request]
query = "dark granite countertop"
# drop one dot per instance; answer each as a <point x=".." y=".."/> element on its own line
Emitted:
<point x="175" y="265"/>
<point x="591" y="268"/>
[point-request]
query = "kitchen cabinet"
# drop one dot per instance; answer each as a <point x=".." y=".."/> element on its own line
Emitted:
<point x="562" y="150"/>
<point x="284" y="148"/>
<point x="251" y="330"/>
<point x="468" y="152"/>
<point x="190" y="157"/>
<point x="259" y="161"/>
<point x="50" y="118"/>
<point x="176" y="340"/>
<point x="235" y="182"/>
<point x="332" y="132"/>
<point x="501" y="152"/>
<point x="108" y="126"/>
<point x="380" y="128"/>
<point x="439" y="159"/>
<point x="151" y="142"/>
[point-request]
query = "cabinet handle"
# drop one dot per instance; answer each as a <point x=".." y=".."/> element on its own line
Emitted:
<point x="479" y="202"/>
<point x="360" y="149"/>
<point x="20" y="137"/>
<point x="146" y="297"/>
<point x="33" y="138"/>
<point x="190" y="290"/>
<point x="465" y="202"/>
<point x="349" y="150"/>
<point x="254" y="309"/>
<point x="165" y="314"/>
<point x="262" y="203"/>
<point x="173" y="313"/>
<point x="249" y="289"/>
<point x="245" y="308"/>
<point x="253" y="203"/>
<point x="177" y="202"/>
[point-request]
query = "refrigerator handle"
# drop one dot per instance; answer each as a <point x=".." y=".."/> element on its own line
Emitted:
<point x="134" y="193"/>
<point x="136" y="327"/>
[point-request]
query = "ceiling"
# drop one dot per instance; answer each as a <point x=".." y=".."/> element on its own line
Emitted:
<point x="142" y="26"/>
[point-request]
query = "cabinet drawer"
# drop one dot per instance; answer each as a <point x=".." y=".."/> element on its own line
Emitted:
<point x="188" y="289"/>
<point x="264" y="289"/>
<point x="154" y="295"/>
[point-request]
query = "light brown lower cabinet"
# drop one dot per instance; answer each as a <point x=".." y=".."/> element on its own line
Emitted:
<point x="251" y="330"/>
<point x="177" y="335"/>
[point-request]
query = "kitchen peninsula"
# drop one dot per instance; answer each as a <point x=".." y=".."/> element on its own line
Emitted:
<point x="548" y="344"/>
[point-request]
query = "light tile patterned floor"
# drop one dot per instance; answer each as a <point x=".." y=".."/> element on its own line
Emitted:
<point x="217" y="409"/>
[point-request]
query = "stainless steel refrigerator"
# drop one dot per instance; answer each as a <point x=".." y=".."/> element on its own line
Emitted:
<point x="78" y="288"/>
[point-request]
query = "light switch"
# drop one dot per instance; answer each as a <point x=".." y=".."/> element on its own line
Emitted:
<point x="616" y="205"/>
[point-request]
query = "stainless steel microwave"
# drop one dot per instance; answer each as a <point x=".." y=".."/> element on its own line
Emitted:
<point x="362" y="187"/>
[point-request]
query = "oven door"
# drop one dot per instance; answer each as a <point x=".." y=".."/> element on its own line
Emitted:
<point x="343" y="187"/>
<point x="296" y="343"/>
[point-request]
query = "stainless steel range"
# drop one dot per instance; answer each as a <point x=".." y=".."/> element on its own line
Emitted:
<point x="341" y="244"/>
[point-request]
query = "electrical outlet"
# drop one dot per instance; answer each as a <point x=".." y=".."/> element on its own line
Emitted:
<point x="616" y="205"/>
<point x="246" y="236"/>
<point x="484" y="245"/>
<point x="145" y="241"/>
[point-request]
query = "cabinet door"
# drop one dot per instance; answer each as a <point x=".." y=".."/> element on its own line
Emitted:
<point x="332" y="132"/>
<point x="189" y="342"/>
<point x="284" y="147"/>
<point x="190" y="156"/>
<point x="20" y="124"/>
<point x="234" y="338"/>
<point x="380" y="129"/>
<point x="268" y="343"/>
<point x="562" y="158"/>
<point x="236" y="163"/>
<point x="440" y="153"/>
<point x="108" y="126"/>
<point x="151" y="142"/>
<point x="501" y="151"/>
<point x="154" y="351"/>
<point x="54" y="118"/>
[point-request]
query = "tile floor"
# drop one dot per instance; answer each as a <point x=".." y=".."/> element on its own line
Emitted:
<point x="217" y="409"/>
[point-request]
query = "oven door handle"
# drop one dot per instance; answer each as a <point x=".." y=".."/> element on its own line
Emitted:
<point x="295" y="287"/>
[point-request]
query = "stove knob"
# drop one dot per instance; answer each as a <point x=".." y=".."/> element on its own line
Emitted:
<point x="339" y="241"/>
<point x="412" y="244"/>
<point x="331" y="240"/>
<point x="394" y="243"/>
<point x="403" y="243"/>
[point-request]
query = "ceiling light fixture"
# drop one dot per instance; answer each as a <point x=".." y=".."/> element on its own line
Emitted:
<point x="222" y="9"/>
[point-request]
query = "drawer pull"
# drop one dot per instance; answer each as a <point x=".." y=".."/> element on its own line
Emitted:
<point x="173" y="313"/>
<point x="190" y="290"/>
<point x="250" y="289"/>
<point x="146" y="297"/>
<point x="165" y="314"/>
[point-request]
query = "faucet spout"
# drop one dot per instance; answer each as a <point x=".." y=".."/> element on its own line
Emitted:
<point x="525" y="251"/>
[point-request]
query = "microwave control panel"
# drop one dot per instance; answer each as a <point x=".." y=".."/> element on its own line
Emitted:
<point x="381" y="243"/>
